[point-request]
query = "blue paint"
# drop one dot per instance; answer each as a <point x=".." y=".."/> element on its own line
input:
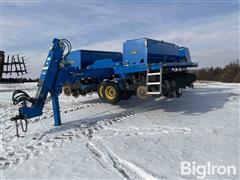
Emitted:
<point x="83" y="58"/>
<point x="80" y="65"/>
<point x="56" y="110"/>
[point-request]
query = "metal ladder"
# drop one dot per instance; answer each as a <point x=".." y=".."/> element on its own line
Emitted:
<point x="154" y="83"/>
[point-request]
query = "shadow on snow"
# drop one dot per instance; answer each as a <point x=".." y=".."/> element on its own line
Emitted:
<point x="192" y="102"/>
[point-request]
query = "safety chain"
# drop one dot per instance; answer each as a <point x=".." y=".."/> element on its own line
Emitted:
<point x="24" y="129"/>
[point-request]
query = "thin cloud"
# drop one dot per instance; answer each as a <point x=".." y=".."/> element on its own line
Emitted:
<point x="30" y="27"/>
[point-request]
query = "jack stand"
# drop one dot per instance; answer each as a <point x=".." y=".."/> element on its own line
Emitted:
<point x="56" y="111"/>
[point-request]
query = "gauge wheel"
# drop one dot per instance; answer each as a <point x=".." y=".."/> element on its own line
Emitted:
<point x="67" y="90"/>
<point x="142" y="92"/>
<point x="111" y="92"/>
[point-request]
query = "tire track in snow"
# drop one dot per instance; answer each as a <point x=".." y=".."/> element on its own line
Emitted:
<point x="7" y="124"/>
<point x="148" y="131"/>
<point x="49" y="114"/>
<point x="42" y="143"/>
<point x="65" y="111"/>
<point x="6" y="140"/>
<point x="99" y="156"/>
<point x="19" y="155"/>
<point x="126" y="169"/>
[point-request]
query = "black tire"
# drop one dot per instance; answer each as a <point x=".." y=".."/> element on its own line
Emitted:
<point x="178" y="92"/>
<point x="170" y="95"/>
<point x="111" y="92"/>
<point x="100" y="90"/>
<point x="166" y="95"/>
<point x="126" y="95"/>
<point x="75" y="93"/>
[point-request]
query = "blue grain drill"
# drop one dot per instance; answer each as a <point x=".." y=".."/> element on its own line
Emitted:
<point x="146" y="67"/>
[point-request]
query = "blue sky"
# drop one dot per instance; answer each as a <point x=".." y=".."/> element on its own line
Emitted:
<point x="210" y="28"/>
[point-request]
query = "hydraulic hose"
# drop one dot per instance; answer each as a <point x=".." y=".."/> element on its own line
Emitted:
<point x="66" y="44"/>
<point x="20" y="96"/>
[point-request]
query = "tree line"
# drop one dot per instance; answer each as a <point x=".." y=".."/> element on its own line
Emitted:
<point x="230" y="73"/>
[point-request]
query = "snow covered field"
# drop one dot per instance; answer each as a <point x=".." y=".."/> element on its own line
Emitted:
<point x="136" y="139"/>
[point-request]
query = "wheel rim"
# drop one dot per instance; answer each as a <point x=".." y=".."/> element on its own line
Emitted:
<point x="141" y="92"/>
<point x="110" y="92"/>
<point x="67" y="91"/>
<point x="101" y="91"/>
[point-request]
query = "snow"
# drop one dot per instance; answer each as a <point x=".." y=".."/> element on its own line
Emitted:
<point x="6" y="91"/>
<point x="135" y="139"/>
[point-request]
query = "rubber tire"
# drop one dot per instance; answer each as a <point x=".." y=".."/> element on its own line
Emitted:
<point x="117" y="89"/>
<point x="126" y="95"/>
<point x="179" y="93"/>
<point x="75" y="93"/>
<point x="67" y="90"/>
<point x="139" y="91"/>
<point x="170" y="94"/>
<point x="166" y="95"/>
<point x="100" y="90"/>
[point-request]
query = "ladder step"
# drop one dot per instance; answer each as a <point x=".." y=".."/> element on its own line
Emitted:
<point x="153" y="93"/>
<point x="153" y="83"/>
<point x="153" y="74"/>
